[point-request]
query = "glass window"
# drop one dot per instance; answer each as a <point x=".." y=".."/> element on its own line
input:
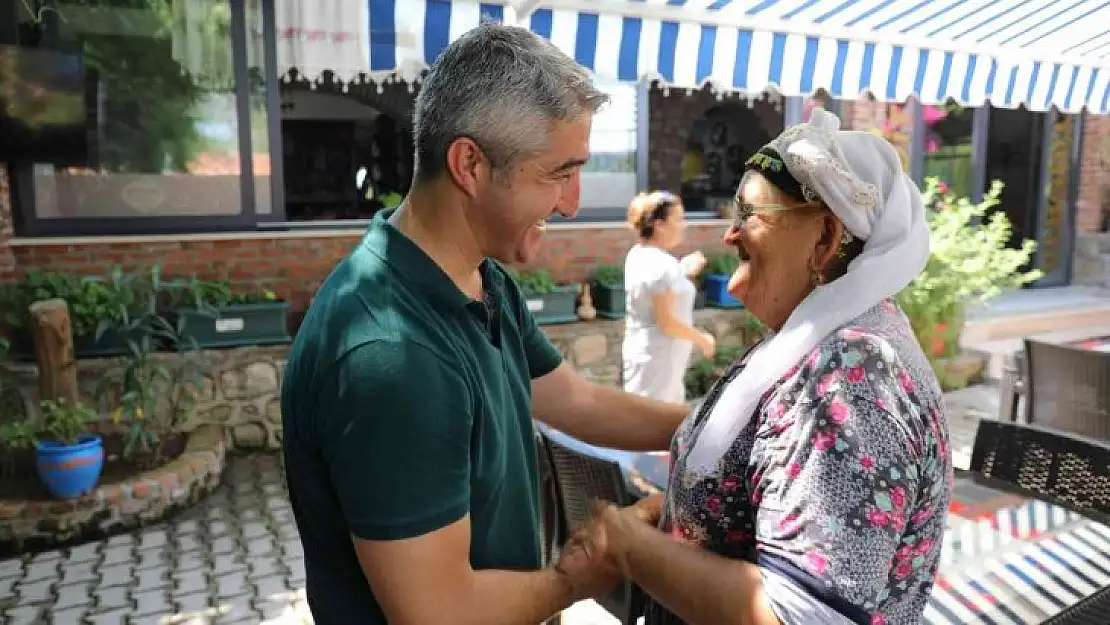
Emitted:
<point x="609" y="179"/>
<point x="161" y="90"/>
<point x="260" y="119"/>
<point x="948" y="146"/>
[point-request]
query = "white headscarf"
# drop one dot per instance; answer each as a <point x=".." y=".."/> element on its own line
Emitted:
<point x="859" y="177"/>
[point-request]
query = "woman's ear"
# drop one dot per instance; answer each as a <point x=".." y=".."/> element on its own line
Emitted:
<point x="832" y="235"/>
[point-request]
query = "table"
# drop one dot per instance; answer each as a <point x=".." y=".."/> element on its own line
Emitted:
<point x="1007" y="558"/>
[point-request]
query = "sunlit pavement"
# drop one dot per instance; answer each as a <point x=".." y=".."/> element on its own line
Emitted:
<point x="236" y="557"/>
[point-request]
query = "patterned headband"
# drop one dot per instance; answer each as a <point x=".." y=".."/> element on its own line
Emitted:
<point x="768" y="163"/>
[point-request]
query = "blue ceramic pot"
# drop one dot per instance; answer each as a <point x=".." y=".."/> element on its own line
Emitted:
<point x="69" y="471"/>
<point x="716" y="291"/>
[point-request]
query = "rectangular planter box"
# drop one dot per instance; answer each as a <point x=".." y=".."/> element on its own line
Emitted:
<point x="716" y="292"/>
<point x="554" y="307"/>
<point x="239" y="325"/>
<point x="110" y="344"/>
<point x="608" y="300"/>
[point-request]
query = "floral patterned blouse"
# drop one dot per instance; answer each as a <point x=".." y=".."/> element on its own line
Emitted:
<point x="840" y="483"/>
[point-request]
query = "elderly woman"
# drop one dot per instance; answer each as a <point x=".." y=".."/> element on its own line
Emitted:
<point x="812" y="485"/>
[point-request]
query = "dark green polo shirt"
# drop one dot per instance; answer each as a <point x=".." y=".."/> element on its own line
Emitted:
<point x="406" y="406"/>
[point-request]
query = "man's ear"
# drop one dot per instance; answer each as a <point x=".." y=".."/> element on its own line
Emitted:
<point x="467" y="165"/>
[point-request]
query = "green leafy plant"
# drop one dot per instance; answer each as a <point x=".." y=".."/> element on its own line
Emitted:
<point x="12" y="407"/>
<point x="970" y="263"/>
<point x="211" y="295"/>
<point x="608" y="275"/>
<point x="15" y="436"/>
<point x="65" y="422"/>
<point x="91" y="300"/>
<point x="721" y="263"/>
<point x="149" y="393"/>
<point x="534" y="281"/>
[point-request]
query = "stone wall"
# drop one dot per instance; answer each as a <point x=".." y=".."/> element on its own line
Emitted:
<point x="241" y="387"/>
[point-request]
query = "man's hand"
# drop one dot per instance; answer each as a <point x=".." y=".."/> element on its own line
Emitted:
<point x="585" y="567"/>
<point x="608" y="534"/>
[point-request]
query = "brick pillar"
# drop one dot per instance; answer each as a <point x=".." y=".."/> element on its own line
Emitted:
<point x="7" y="258"/>
<point x="1094" y="174"/>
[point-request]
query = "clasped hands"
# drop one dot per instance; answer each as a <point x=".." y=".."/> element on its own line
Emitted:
<point x="595" y="558"/>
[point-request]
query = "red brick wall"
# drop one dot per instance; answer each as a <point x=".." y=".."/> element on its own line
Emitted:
<point x="7" y="259"/>
<point x="1094" y="176"/>
<point x="295" y="266"/>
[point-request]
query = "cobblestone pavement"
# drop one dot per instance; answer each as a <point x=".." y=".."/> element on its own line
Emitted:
<point x="236" y="557"/>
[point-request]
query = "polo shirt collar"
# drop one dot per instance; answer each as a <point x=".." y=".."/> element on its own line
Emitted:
<point x="407" y="259"/>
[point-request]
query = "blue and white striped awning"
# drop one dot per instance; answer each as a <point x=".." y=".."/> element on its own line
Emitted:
<point x="1012" y="52"/>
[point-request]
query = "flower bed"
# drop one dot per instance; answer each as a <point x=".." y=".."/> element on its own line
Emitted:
<point x="127" y="496"/>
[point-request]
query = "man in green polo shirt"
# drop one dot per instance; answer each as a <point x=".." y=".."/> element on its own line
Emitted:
<point x="409" y="394"/>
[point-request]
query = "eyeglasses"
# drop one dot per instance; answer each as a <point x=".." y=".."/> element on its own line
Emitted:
<point x="741" y="210"/>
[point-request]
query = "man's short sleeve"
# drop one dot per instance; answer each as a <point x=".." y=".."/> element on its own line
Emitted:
<point x="396" y="438"/>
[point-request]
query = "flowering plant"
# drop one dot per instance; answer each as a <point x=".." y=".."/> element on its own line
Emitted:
<point x="970" y="263"/>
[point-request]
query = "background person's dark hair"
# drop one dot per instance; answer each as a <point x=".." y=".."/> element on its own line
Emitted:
<point x="648" y="209"/>
<point x="500" y="86"/>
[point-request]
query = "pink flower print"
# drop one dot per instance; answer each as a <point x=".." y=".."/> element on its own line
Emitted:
<point x="856" y="375"/>
<point x="897" y="521"/>
<point x="789" y="523"/>
<point x="838" y="411"/>
<point x="793" y="470"/>
<point x="776" y="410"/>
<point x="867" y="462"/>
<point x="898" y="497"/>
<point x="905" y="552"/>
<point x="921" y="516"/>
<point x="905" y="381"/>
<point x="878" y="518"/>
<point x="878" y="619"/>
<point x="676" y="532"/>
<point x="713" y="504"/>
<point x="823" y="441"/>
<point x="903" y="569"/>
<point x="755" y="497"/>
<point x="738" y="536"/>
<point x="792" y="372"/>
<point x="881" y="403"/>
<point x="730" y="484"/>
<point x="925" y="546"/>
<point x="816" y="562"/>
<point x="851" y="333"/>
<point x="813" y="358"/>
<point x="826" y="383"/>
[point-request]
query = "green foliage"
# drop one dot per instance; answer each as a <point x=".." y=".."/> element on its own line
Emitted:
<point x="534" y="281"/>
<point x="724" y="263"/>
<point x="65" y="422"/>
<point x="91" y="300"/>
<point x="608" y="275"/>
<point x="969" y="264"/>
<point x="214" y="294"/>
<point x="12" y="408"/>
<point x="148" y="393"/>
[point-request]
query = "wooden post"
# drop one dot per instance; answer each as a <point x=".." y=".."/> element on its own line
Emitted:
<point x="53" y="336"/>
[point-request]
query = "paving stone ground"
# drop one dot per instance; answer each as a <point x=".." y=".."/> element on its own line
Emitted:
<point x="235" y="558"/>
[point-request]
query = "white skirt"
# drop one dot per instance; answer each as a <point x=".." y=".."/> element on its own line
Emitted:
<point x="657" y="369"/>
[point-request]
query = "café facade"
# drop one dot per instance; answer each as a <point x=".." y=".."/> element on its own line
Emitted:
<point x="253" y="139"/>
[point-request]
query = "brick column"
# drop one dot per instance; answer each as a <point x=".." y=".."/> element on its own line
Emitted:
<point x="1094" y="174"/>
<point x="7" y="258"/>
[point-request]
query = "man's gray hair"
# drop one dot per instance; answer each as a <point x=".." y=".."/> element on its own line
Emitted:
<point x="502" y="87"/>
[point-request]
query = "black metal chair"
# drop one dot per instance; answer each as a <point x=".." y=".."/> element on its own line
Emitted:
<point x="581" y="480"/>
<point x="550" y="515"/>
<point x="1059" y="466"/>
<point x="1065" y="388"/>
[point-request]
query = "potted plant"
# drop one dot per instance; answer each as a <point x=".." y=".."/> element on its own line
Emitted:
<point x="607" y="287"/>
<point x="68" y="457"/>
<point x="213" y="314"/>
<point x="718" y="269"/>
<point x="548" y="302"/>
<point x="95" y="306"/>
<point x="970" y="263"/>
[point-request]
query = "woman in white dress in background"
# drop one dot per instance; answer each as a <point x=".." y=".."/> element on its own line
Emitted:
<point x="659" y="330"/>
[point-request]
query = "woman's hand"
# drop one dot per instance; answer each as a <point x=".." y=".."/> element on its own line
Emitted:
<point x="612" y="528"/>
<point x="692" y="264"/>
<point x="706" y="344"/>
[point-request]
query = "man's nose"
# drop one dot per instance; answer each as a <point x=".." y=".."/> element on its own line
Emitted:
<point x="568" y="204"/>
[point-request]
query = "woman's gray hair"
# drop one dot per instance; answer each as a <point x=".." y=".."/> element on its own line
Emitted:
<point x="498" y="85"/>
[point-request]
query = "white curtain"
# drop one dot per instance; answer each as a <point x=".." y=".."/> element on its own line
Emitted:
<point x="323" y="35"/>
